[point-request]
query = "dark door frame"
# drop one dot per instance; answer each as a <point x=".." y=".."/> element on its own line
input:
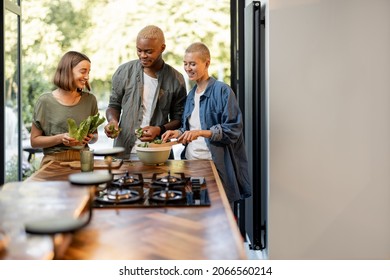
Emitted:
<point x="6" y="5"/>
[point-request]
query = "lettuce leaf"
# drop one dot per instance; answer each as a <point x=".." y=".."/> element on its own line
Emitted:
<point x="87" y="126"/>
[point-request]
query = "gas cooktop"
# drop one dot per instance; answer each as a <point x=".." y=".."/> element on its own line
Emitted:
<point x="159" y="190"/>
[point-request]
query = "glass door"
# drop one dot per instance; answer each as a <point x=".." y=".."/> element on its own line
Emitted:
<point x="11" y="154"/>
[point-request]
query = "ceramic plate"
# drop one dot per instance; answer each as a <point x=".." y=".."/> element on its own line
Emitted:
<point x="109" y="152"/>
<point x="55" y="225"/>
<point x="89" y="178"/>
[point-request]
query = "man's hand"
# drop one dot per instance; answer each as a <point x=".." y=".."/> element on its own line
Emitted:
<point x="149" y="133"/>
<point x="112" y="130"/>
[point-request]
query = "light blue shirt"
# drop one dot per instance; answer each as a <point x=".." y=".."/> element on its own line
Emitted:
<point x="220" y="113"/>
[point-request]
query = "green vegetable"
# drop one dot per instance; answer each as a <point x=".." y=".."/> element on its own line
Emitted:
<point x="139" y="132"/>
<point x="87" y="126"/>
<point x="72" y="127"/>
<point x="143" y="145"/>
<point x="114" y="132"/>
<point x="146" y="144"/>
<point x="96" y="121"/>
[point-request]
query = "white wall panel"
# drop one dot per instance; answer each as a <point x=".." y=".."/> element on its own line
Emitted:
<point x="329" y="100"/>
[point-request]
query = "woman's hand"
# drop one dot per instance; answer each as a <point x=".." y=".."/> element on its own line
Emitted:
<point x="191" y="135"/>
<point x="90" y="138"/>
<point x="69" y="141"/>
<point x="188" y="136"/>
<point x="169" y="134"/>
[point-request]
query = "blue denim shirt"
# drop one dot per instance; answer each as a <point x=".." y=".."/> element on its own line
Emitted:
<point x="126" y="97"/>
<point x="220" y="113"/>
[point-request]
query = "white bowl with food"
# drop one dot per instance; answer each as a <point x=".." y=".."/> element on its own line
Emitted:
<point x="153" y="155"/>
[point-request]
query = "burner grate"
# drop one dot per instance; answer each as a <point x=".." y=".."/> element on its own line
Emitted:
<point x="131" y="190"/>
<point x="169" y="179"/>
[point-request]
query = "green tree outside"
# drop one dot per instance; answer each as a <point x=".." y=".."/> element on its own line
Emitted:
<point x="106" y="30"/>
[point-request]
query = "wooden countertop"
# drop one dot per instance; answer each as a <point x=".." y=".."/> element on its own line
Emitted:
<point x="168" y="233"/>
<point x="24" y="202"/>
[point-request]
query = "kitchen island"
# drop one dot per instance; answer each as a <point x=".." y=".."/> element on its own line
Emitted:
<point x="157" y="233"/>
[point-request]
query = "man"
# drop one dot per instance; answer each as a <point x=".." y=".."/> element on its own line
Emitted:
<point x="146" y="93"/>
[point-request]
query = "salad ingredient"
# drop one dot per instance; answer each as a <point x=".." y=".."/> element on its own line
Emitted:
<point x="146" y="144"/>
<point x="139" y="132"/>
<point x="87" y="126"/>
<point x="114" y="132"/>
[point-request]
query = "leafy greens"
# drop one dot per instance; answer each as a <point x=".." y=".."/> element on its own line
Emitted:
<point x="87" y="126"/>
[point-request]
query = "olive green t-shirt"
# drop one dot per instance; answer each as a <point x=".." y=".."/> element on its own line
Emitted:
<point x="50" y="116"/>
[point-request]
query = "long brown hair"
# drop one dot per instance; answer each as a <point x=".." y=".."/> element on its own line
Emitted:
<point x="63" y="77"/>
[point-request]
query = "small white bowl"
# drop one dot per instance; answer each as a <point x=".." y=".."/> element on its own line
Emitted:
<point x="155" y="155"/>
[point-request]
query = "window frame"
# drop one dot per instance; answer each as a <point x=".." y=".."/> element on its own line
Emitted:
<point x="14" y="8"/>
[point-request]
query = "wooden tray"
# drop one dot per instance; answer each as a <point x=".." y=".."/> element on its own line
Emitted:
<point x="98" y="164"/>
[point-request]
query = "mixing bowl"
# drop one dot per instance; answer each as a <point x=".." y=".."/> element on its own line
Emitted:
<point x="153" y="155"/>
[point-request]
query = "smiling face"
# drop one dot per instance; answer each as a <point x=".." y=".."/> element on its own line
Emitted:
<point x="196" y="67"/>
<point x="150" y="52"/>
<point x="81" y="74"/>
<point x="72" y="71"/>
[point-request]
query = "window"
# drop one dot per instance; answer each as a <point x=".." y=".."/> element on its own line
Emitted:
<point x="11" y="154"/>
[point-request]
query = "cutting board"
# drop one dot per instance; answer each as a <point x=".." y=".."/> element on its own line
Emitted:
<point x="98" y="164"/>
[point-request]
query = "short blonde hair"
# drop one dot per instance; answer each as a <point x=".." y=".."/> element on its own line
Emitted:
<point x="151" y="32"/>
<point x="200" y="48"/>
